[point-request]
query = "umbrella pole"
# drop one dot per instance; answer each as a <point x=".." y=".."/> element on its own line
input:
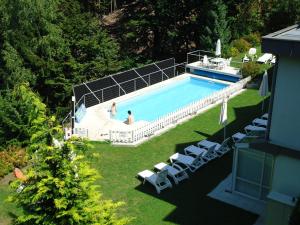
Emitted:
<point x="262" y="106"/>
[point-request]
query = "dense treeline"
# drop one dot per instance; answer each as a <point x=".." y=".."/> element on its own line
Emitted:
<point x="57" y="43"/>
<point x="166" y="28"/>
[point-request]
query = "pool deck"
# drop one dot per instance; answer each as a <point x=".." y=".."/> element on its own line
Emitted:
<point x="98" y="122"/>
<point x="227" y="70"/>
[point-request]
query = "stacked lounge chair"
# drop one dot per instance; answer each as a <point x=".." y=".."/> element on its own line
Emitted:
<point x="195" y="157"/>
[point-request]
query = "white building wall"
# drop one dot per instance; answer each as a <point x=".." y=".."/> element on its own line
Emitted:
<point x="285" y="124"/>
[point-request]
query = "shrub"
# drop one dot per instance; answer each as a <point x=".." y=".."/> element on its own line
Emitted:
<point x="251" y="69"/>
<point x="233" y="51"/>
<point x="12" y="157"/>
<point x="254" y="39"/>
<point x="241" y="44"/>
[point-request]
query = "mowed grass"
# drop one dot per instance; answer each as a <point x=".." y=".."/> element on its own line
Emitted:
<point x="186" y="203"/>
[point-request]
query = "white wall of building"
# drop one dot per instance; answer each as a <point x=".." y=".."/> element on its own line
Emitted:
<point x="285" y="124"/>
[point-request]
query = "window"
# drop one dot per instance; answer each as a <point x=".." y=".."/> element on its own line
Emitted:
<point x="252" y="173"/>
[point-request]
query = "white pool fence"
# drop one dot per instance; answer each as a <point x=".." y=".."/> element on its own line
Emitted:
<point x="145" y="131"/>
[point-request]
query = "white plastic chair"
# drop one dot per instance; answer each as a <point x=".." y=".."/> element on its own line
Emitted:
<point x="265" y="116"/>
<point x="250" y="128"/>
<point x="159" y="180"/>
<point x="219" y="149"/>
<point x="175" y="171"/>
<point x="237" y="137"/>
<point x="192" y="163"/>
<point x="260" y="122"/>
<point x="265" y="58"/>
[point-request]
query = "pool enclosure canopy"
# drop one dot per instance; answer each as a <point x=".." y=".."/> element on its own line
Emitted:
<point x="94" y="92"/>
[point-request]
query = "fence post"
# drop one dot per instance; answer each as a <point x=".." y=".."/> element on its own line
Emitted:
<point x="102" y="95"/>
<point x="134" y="85"/>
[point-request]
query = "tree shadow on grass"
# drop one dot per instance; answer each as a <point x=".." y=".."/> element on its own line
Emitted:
<point x="193" y="206"/>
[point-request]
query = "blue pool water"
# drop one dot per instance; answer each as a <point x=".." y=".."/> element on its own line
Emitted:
<point x="157" y="103"/>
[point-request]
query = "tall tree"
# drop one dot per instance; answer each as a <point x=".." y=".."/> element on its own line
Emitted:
<point x="59" y="188"/>
<point x="215" y="25"/>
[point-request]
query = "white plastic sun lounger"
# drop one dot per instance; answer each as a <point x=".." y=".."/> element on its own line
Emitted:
<point x="192" y="163"/>
<point x="175" y="171"/>
<point x="206" y="144"/>
<point x="265" y="58"/>
<point x="237" y="137"/>
<point x="265" y="116"/>
<point x="193" y="150"/>
<point x="220" y="149"/>
<point x="260" y="122"/>
<point x="251" y="128"/>
<point x="206" y="155"/>
<point x="159" y="180"/>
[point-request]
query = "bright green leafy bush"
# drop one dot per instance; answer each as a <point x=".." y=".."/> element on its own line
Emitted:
<point x="241" y="44"/>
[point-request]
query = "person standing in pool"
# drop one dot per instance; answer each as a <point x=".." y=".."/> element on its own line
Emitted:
<point x="113" y="110"/>
<point x="130" y="118"/>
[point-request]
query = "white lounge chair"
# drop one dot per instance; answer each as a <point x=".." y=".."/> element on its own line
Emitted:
<point x="192" y="163"/>
<point x="175" y="171"/>
<point x="206" y="144"/>
<point x="250" y="128"/>
<point x="205" y="60"/>
<point x="219" y="149"/>
<point x="228" y="61"/>
<point x="245" y="59"/>
<point x="194" y="150"/>
<point x="265" y="116"/>
<point x="265" y="58"/>
<point x="260" y="122"/>
<point x="237" y="137"/>
<point x="159" y="180"/>
<point x="206" y="155"/>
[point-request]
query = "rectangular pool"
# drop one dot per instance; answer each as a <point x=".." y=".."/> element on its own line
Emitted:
<point x="156" y="103"/>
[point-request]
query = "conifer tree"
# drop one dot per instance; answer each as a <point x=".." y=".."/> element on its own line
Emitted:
<point x="60" y="189"/>
<point x="215" y="25"/>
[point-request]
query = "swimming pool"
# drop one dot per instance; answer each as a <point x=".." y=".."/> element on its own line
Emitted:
<point x="156" y="103"/>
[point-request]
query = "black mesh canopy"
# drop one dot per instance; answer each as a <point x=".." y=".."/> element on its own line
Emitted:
<point x="94" y="92"/>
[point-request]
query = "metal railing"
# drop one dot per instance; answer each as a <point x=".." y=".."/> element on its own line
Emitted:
<point x="135" y="135"/>
<point x="198" y="55"/>
<point x="117" y="90"/>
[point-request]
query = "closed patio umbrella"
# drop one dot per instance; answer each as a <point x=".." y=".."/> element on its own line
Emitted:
<point x="264" y="88"/>
<point x="223" y="115"/>
<point x="218" y="48"/>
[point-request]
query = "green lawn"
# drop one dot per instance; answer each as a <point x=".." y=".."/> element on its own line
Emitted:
<point x="186" y="203"/>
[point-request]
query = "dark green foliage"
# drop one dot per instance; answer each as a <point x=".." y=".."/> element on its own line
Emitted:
<point x="21" y="113"/>
<point x="247" y="17"/>
<point x="254" y="39"/>
<point x="281" y="13"/>
<point x="95" y="53"/>
<point x="53" y="45"/>
<point x="251" y="69"/>
<point x="215" y="25"/>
